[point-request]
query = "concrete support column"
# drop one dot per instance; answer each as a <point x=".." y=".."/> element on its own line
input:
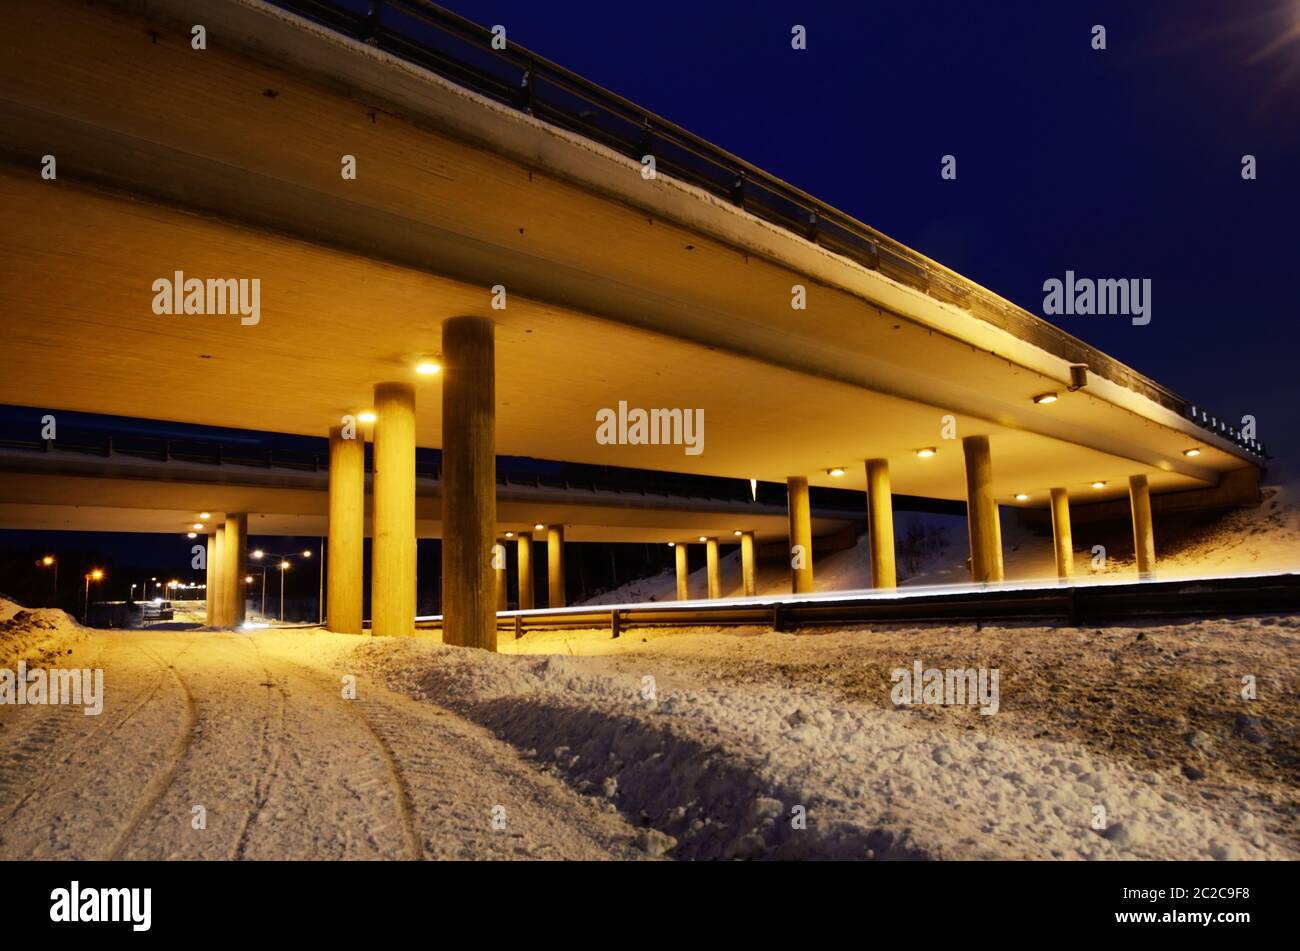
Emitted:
<point x="747" y="564"/>
<point x="683" y="575"/>
<point x="469" y="483"/>
<point x="801" y="566"/>
<point x="234" y="588"/>
<point x="347" y="530"/>
<point x="525" y="549"/>
<point x="214" y="557"/>
<point x="1061" y="536"/>
<point x="711" y="559"/>
<point x="555" y="565"/>
<point x="392" y="581"/>
<point x="499" y="563"/>
<point x="1144" y="539"/>
<point x="982" y="512"/>
<point x="880" y="524"/>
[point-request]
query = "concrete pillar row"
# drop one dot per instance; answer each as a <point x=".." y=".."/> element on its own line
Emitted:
<point x="469" y="483"/>
<point x="711" y="559"/>
<point x="1144" y="539"/>
<point x="683" y="575"/>
<point x="800" y="512"/>
<point x="347" y="530"/>
<point x="234" y="589"/>
<point x="524" y="546"/>
<point x="1062" y="538"/>
<point x="555" y="565"/>
<point x="392" y="581"/>
<point x="748" y="585"/>
<point x="880" y="524"/>
<point x="213" y="556"/>
<point x="982" y="524"/>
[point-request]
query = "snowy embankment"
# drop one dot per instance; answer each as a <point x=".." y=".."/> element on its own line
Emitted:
<point x="36" y="634"/>
<point x="720" y="766"/>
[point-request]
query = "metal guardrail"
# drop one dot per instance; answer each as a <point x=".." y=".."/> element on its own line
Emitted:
<point x="1073" y="605"/>
<point x="460" y="50"/>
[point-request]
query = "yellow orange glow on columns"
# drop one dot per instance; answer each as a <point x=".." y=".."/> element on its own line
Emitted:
<point x="392" y="575"/>
<point x="683" y="576"/>
<point x="747" y="564"/>
<point x="469" y="483"/>
<point x="985" y="533"/>
<point x="711" y="559"/>
<point x="525" y="550"/>
<point x="234" y="587"/>
<point x="1062" y="539"/>
<point x="555" y="565"/>
<point x="347" y="529"/>
<point x="1144" y="539"/>
<point x="880" y="524"/>
<point x="800" y="512"/>
<point x="215" y="574"/>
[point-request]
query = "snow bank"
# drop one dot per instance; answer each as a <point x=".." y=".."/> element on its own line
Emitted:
<point x="725" y="771"/>
<point x="36" y="634"/>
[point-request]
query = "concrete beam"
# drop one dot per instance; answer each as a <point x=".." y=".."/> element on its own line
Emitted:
<point x="234" y="588"/>
<point x="801" y="539"/>
<point x="347" y="518"/>
<point x="747" y="583"/>
<point x="469" y="501"/>
<point x="1144" y="539"/>
<point x="1062" y="539"/>
<point x="880" y="524"/>
<point x="555" y="565"/>
<point x="392" y="590"/>
<point x="524" y="546"/>
<point x="215" y="573"/>
<point x="982" y="523"/>
<point x="683" y="573"/>
<point x="711" y="560"/>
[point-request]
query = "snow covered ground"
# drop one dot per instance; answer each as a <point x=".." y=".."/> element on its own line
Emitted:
<point x="1128" y="742"/>
<point x="690" y="744"/>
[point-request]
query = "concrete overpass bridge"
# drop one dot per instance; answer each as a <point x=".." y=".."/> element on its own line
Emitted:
<point x="502" y="225"/>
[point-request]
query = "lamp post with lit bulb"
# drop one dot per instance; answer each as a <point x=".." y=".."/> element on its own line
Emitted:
<point x="95" y="574"/>
<point x="49" y="561"/>
<point x="284" y="566"/>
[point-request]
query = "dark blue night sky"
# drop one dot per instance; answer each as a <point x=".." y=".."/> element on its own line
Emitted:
<point x="1122" y="163"/>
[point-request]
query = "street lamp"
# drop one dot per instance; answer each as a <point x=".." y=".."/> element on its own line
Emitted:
<point x="94" y="574"/>
<point x="49" y="561"/>
<point x="284" y="565"/>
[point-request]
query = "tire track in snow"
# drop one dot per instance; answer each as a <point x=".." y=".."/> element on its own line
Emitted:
<point x="159" y="785"/>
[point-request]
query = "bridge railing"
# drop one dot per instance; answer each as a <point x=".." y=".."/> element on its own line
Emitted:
<point x="515" y="472"/>
<point x="460" y="50"/>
